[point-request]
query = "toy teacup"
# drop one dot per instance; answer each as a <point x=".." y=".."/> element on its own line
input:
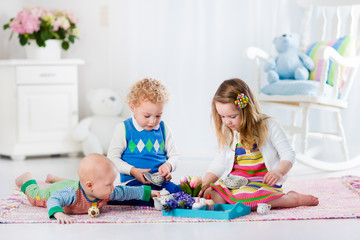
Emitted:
<point x="233" y="181"/>
<point x="263" y="208"/>
<point x="155" y="178"/>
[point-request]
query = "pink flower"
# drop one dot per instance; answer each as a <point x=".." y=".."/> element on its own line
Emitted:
<point x="184" y="180"/>
<point x="38" y="12"/>
<point x="16" y="26"/>
<point x="195" y="181"/>
<point x="71" y="16"/>
<point x="25" y="22"/>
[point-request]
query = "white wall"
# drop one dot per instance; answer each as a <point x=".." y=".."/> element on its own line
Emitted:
<point x="191" y="45"/>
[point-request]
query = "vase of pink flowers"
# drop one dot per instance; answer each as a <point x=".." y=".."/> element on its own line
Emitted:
<point x="44" y="33"/>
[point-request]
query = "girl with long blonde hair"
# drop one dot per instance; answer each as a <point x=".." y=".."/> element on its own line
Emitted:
<point x="253" y="146"/>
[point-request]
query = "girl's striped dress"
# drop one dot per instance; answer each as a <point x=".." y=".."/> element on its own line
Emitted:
<point x="249" y="164"/>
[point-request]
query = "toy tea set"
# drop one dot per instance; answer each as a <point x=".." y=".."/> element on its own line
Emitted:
<point x="200" y="208"/>
<point x="196" y="207"/>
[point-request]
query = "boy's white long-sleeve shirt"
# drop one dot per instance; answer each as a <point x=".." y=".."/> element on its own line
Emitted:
<point x="276" y="148"/>
<point x="118" y="145"/>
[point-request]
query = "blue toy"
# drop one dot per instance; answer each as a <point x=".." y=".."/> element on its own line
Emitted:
<point x="221" y="211"/>
<point x="290" y="64"/>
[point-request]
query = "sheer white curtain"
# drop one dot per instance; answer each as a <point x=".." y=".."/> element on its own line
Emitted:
<point x="192" y="46"/>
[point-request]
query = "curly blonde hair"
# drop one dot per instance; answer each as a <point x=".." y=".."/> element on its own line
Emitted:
<point x="252" y="126"/>
<point x="148" y="89"/>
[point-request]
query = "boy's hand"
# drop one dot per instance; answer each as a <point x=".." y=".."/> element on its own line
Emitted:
<point x="272" y="177"/>
<point x="138" y="173"/>
<point x="62" y="218"/>
<point x="165" y="171"/>
<point x="155" y="193"/>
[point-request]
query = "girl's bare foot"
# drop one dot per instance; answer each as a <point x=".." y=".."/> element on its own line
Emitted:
<point x="53" y="179"/>
<point x="20" y="180"/>
<point x="294" y="199"/>
<point x="304" y="200"/>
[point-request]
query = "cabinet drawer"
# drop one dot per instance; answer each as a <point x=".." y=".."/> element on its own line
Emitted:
<point x="46" y="74"/>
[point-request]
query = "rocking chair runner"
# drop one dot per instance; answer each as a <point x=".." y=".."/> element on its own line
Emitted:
<point x="334" y="102"/>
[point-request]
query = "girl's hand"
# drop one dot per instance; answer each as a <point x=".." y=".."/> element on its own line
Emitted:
<point x="272" y="177"/>
<point x="155" y="193"/>
<point x="203" y="189"/>
<point x="138" y="173"/>
<point x="165" y="171"/>
<point x="62" y="218"/>
<point x="209" y="178"/>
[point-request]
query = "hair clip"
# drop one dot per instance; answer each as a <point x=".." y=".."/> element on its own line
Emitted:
<point x="241" y="100"/>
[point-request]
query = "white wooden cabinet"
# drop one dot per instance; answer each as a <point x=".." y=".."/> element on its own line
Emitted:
<point x="38" y="107"/>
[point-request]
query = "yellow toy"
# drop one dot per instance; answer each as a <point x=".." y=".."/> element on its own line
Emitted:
<point x="94" y="211"/>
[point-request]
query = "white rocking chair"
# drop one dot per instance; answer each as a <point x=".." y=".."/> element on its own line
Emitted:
<point x="338" y="100"/>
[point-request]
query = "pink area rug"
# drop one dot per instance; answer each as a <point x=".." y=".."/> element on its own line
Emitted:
<point x="339" y="198"/>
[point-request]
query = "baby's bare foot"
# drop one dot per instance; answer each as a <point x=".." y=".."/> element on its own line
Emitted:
<point x="20" y="180"/>
<point x="304" y="200"/>
<point x="53" y="179"/>
<point x="50" y="178"/>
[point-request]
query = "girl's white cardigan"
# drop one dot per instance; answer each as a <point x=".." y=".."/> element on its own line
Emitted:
<point x="276" y="148"/>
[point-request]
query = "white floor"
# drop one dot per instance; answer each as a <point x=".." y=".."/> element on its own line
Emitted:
<point x="67" y="167"/>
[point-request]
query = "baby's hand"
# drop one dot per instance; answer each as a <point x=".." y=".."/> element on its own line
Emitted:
<point x="62" y="218"/>
<point x="155" y="193"/>
<point x="165" y="171"/>
<point x="272" y="177"/>
<point x="138" y="173"/>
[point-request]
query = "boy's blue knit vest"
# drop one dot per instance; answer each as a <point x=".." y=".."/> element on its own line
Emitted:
<point x="145" y="149"/>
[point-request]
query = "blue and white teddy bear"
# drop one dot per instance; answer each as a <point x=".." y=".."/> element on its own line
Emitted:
<point x="290" y="64"/>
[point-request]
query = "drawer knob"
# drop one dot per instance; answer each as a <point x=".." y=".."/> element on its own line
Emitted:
<point x="47" y="74"/>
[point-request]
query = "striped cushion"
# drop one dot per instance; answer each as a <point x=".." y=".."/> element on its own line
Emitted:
<point x="345" y="46"/>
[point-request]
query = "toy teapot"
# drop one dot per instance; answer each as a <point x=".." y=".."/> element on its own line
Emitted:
<point x="164" y="197"/>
